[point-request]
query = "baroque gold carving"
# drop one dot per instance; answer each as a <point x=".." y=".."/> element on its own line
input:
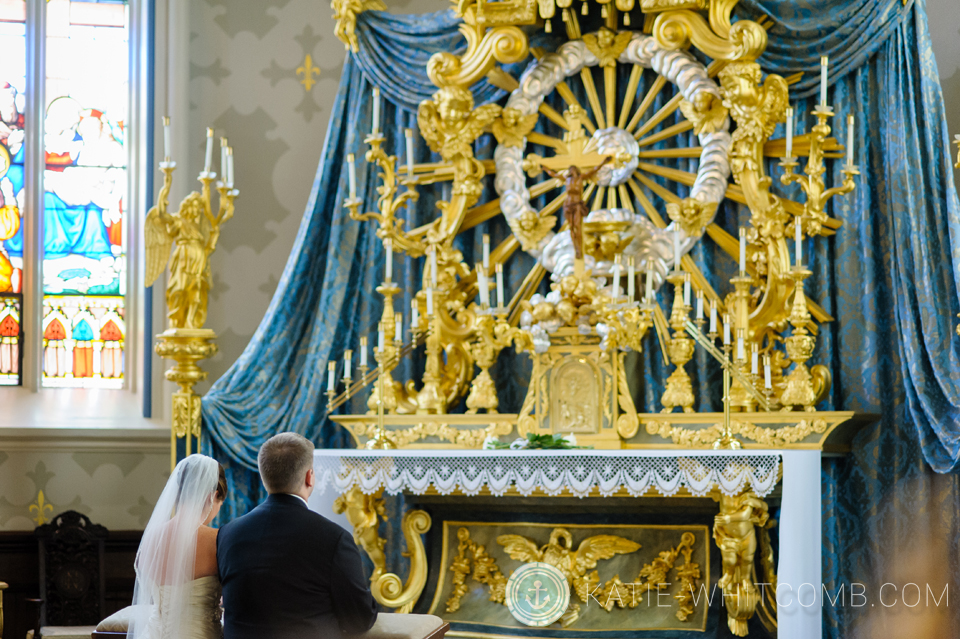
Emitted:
<point x="364" y="512"/>
<point x="469" y="439"/>
<point x="503" y="44"/>
<point x="706" y="112"/>
<point x="512" y="126"/>
<point x="678" y="29"/>
<point x="607" y="45"/>
<point x="692" y="215"/>
<point x="345" y="12"/>
<point x="735" y="534"/>
<point x="657" y="6"/>
<point x="485" y="571"/>
<point x="765" y="437"/>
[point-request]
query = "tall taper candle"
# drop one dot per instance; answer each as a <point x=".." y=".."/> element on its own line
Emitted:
<point x="850" y="122"/>
<point x="798" y="240"/>
<point x="483" y="287"/>
<point x="363" y="351"/>
<point x="615" y="280"/>
<point x="648" y="290"/>
<point x="398" y="327"/>
<point x="726" y="329"/>
<point x="789" y="132"/>
<point x="223" y="159"/>
<point x="766" y="372"/>
<point x="743" y="251"/>
<point x="823" y="80"/>
<point x="433" y="267"/>
<point x="388" y="259"/>
<point x="348" y="364"/>
<point x="700" y="305"/>
<point x="741" y="355"/>
<point x="331" y="375"/>
<point x="429" y="302"/>
<point x="486" y="252"/>
<point x="352" y="175"/>
<point x="500" y="301"/>
<point x="229" y="166"/>
<point x="166" y="138"/>
<point x="414" y="315"/>
<point x="754" y="359"/>
<point x="208" y="153"/>
<point x="376" y="110"/>
<point x="686" y="289"/>
<point x="713" y="316"/>
<point x="408" y="133"/>
<point x="631" y="280"/>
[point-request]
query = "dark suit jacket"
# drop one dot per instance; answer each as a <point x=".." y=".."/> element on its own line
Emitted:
<point x="289" y="573"/>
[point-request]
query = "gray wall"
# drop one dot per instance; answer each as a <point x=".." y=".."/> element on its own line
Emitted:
<point x="243" y="60"/>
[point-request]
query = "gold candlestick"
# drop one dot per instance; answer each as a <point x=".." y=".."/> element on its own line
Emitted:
<point x="387" y="357"/>
<point x="430" y="399"/>
<point x="679" y="390"/>
<point x="799" y="383"/>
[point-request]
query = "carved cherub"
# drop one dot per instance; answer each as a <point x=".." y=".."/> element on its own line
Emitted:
<point x="736" y="537"/>
<point x="512" y="126"/>
<point x="706" y="112"/>
<point x="692" y="215"/>
<point x="607" y="45"/>
<point x="756" y="108"/>
<point x="530" y="228"/>
<point x="195" y="231"/>
<point x="450" y="124"/>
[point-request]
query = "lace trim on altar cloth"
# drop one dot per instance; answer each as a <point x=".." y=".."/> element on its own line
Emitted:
<point x="553" y="472"/>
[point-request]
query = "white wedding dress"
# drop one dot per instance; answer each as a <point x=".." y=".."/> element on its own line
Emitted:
<point x="200" y="612"/>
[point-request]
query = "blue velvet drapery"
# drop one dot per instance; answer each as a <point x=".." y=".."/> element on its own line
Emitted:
<point x="886" y="277"/>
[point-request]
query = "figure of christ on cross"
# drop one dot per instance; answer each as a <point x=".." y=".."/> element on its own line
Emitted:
<point x="574" y="208"/>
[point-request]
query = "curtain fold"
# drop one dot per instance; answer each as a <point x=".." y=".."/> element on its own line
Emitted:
<point x="889" y="277"/>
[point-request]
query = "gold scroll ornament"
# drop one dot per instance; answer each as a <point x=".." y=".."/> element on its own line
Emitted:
<point x="735" y="532"/>
<point x="364" y="513"/>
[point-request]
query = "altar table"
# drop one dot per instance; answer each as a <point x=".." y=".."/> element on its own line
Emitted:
<point x="639" y="472"/>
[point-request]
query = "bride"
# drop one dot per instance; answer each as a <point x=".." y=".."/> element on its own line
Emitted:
<point x="177" y="594"/>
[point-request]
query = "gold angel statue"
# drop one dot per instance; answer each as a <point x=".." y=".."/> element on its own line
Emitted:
<point x="193" y="232"/>
<point x="607" y="45"/>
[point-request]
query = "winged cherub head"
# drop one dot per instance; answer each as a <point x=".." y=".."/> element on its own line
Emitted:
<point x="454" y="103"/>
<point x="740" y="80"/>
<point x="605" y="37"/>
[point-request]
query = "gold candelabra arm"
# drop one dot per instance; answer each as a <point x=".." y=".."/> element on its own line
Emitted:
<point x="726" y="363"/>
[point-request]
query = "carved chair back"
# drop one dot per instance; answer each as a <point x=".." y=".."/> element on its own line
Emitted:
<point x="72" y="582"/>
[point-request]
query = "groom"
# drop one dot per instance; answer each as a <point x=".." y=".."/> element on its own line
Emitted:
<point x="287" y="572"/>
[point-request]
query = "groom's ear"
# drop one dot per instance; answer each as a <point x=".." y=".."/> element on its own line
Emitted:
<point x="310" y="479"/>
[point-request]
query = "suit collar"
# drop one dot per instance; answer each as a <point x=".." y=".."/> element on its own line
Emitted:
<point x="287" y="500"/>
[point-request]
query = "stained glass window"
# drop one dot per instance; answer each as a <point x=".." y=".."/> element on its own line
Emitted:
<point x="84" y="265"/>
<point x="12" y="82"/>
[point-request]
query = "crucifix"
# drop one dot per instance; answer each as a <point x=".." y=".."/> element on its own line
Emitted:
<point x="574" y="208"/>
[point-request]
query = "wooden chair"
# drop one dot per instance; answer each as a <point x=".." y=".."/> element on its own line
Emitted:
<point x="72" y="576"/>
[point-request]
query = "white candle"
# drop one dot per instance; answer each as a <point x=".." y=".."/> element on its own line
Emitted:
<point x="700" y="305"/>
<point x="766" y="372"/>
<point x="388" y="259"/>
<point x="798" y="239"/>
<point x="648" y="292"/>
<point x="381" y="340"/>
<point x="823" y="80"/>
<point x="348" y="364"/>
<point x="482" y="287"/>
<point x="676" y="249"/>
<point x="713" y="316"/>
<point x="208" y="153"/>
<point x="376" y="110"/>
<point x="363" y="352"/>
<point x="500" y="301"/>
<point x="754" y="359"/>
<point x="686" y="289"/>
<point x="631" y="280"/>
<point x="486" y="252"/>
<point x="789" y="132"/>
<point x="166" y="138"/>
<point x="726" y="329"/>
<point x="352" y="175"/>
<point x="414" y="315"/>
<point x="223" y="159"/>
<point x="331" y="376"/>
<point x="743" y="251"/>
<point x="740" y="352"/>
<point x="433" y="267"/>
<point x="229" y="166"/>
<point x="409" y="135"/>
<point x="850" y="121"/>
<point x="429" y="302"/>
<point x="398" y="327"/>
<point x="615" y="280"/>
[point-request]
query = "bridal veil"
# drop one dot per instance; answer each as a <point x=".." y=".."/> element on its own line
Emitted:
<point x="165" y="559"/>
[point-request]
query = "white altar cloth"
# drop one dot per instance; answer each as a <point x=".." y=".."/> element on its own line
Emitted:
<point x="799" y="602"/>
<point x="552" y="471"/>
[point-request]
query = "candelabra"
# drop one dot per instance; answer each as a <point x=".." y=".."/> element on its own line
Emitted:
<point x="799" y="383"/>
<point x="493" y="334"/>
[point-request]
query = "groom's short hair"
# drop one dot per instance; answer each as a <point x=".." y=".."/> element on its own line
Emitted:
<point x="284" y="460"/>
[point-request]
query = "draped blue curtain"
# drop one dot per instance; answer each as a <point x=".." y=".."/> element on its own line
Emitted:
<point x="888" y="277"/>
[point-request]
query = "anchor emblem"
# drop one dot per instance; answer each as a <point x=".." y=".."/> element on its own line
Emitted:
<point x="537" y="588"/>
